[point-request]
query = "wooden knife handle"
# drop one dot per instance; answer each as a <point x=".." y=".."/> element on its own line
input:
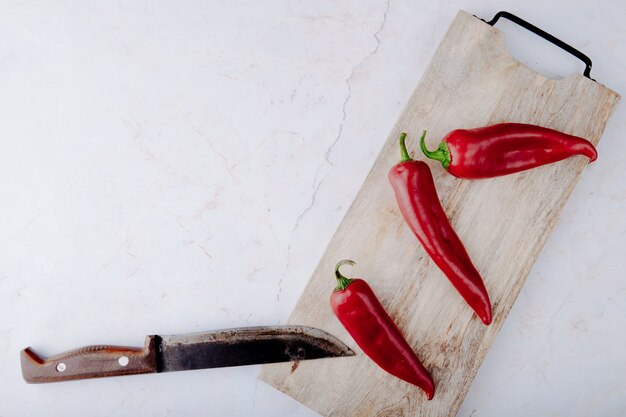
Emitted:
<point x="89" y="362"/>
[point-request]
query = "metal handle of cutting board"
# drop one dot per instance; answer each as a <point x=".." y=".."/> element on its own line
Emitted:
<point x="545" y="35"/>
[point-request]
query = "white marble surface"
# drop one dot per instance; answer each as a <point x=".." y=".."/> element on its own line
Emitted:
<point x="170" y="167"/>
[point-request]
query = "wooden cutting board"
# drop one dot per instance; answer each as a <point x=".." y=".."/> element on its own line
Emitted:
<point x="472" y="81"/>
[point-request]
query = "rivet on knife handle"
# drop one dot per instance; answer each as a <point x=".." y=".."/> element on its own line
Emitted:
<point x="89" y="362"/>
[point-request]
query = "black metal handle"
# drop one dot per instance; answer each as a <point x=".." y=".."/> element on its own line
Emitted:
<point x="534" y="29"/>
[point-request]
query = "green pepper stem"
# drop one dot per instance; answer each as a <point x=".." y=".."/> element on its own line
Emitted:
<point x="442" y="154"/>
<point x="342" y="281"/>
<point x="403" y="152"/>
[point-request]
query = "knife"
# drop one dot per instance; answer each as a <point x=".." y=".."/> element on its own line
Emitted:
<point x="214" y="349"/>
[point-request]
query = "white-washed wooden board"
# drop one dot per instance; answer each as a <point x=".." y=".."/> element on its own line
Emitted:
<point x="472" y="81"/>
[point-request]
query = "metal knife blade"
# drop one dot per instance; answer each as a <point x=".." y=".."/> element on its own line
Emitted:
<point x="220" y="348"/>
<point x="246" y="346"/>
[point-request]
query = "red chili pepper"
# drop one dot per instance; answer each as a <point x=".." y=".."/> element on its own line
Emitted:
<point x="504" y="149"/>
<point x="357" y="308"/>
<point x="417" y="199"/>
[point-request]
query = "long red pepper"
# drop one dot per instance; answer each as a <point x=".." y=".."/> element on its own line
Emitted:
<point x="357" y="308"/>
<point x="419" y="204"/>
<point x="505" y="148"/>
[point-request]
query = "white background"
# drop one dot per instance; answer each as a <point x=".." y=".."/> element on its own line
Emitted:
<point x="170" y="167"/>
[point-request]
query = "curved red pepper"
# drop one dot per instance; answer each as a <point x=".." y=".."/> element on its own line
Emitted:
<point x="357" y="308"/>
<point x="419" y="204"/>
<point x="504" y="149"/>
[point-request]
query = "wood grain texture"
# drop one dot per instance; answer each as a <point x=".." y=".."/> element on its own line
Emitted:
<point x="504" y="222"/>
<point x="89" y="362"/>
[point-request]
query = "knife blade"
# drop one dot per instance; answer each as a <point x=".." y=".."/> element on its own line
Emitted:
<point x="214" y="349"/>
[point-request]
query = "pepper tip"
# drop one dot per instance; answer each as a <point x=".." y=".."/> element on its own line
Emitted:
<point x="593" y="156"/>
<point x="486" y="318"/>
<point x="429" y="390"/>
